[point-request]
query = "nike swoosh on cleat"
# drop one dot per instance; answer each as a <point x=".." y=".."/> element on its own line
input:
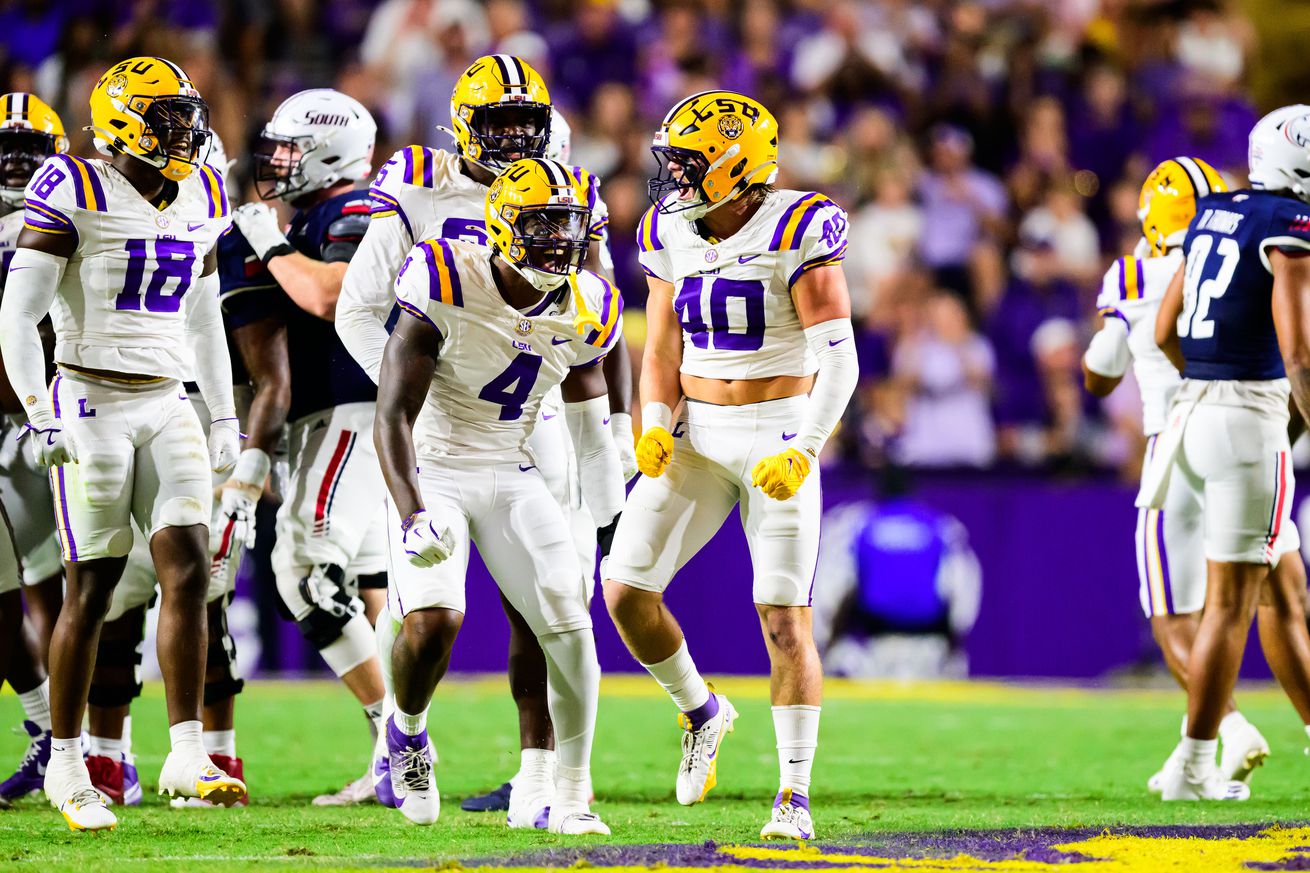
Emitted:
<point x="16" y="269"/>
<point x="606" y="421"/>
<point x="523" y="469"/>
<point x="558" y="340"/>
<point x="194" y="227"/>
<point x="545" y="417"/>
<point x="745" y="259"/>
<point x="214" y="778"/>
<point x="837" y="342"/>
<point x="788" y="436"/>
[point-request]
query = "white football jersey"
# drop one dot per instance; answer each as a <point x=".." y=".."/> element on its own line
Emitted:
<point x="497" y="363"/>
<point x="123" y="300"/>
<point x="733" y="296"/>
<point x="1133" y="287"/>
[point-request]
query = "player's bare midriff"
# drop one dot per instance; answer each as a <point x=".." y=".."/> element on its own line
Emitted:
<point x="108" y="375"/>
<point x="740" y="392"/>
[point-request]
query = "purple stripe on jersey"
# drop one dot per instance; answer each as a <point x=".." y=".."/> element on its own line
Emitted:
<point x="778" y="231"/>
<point x="70" y="544"/>
<point x="409" y="165"/>
<point x="384" y="202"/>
<point x="1164" y="563"/>
<point x="427" y="171"/>
<point x="76" y="179"/>
<point x="41" y="215"/>
<point x="1141" y="292"/>
<point x="97" y="188"/>
<point x="812" y="211"/>
<point x="209" y="191"/>
<point x="833" y="257"/>
<point x="1123" y="279"/>
<point x="456" y="291"/>
<point x="434" y="278"/>
<point x="543" y="305"/>
<point x="222" y="193"/>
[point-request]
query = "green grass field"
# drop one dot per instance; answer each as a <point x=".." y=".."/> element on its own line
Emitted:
<point x="892" y="759"/>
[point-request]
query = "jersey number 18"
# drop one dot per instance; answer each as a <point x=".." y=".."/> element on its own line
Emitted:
<point x="173" y="259"/>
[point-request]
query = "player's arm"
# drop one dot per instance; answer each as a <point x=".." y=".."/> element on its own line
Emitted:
<point x="366" y="299"/>
<point x="1106" y="358"/>
<point x="1291" y="307"/>
<point x="600" y="472"/>
<point x="661" y="385"/>
<point x="312" y="285"/>
<point x="34" y="274"/>
<point x="1166" y="320"/>
<point x="213" y="366"/>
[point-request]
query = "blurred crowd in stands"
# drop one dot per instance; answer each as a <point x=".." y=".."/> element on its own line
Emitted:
<point x="989" y="153"/>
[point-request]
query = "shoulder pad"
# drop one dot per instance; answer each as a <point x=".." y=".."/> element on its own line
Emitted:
<point x="215" y="191"/>
<point x="648" y="231"/>
<point x="797" y="218"/>
<point x="605" y="302"/>
<point x="443" y="277"/>
<point x="1131" y="282"/>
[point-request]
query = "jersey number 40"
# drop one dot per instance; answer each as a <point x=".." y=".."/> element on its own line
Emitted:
<point x="173" y="259"/>
<point x="728" y="334"/>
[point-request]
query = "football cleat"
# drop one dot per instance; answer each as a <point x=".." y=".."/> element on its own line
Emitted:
<point x="196" y="776"/>
<point x="1185" y="783"/>
<point x="85" y="810"/>
<point x="791" y="818"/>
<point x="529" y="804"/>
<point x="230" y="765"/>
<point x="380" y="772"/>
<point x="107" y="777"/>
<point x="413" y="774"/>
<point x="353" y="794"/>
<point x="575" y="820"/>
<point x="1243" y="750"/>
<point x="29" y="778"/>
<point x="493" y="801"/>
<point x="131" y="782"/>
<point x="1175" y="761"/>
<point x="698" y="772"/>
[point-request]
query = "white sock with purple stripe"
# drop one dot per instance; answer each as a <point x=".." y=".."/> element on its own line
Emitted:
<point x="797" y="731"/>
<point x="677" y="674"/>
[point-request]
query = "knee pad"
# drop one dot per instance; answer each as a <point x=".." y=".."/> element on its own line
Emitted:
<point x="125" y="654"/>
<point x="221" y="659"/>
<point x="324" y="605"/>
<point x="376" y="581"/>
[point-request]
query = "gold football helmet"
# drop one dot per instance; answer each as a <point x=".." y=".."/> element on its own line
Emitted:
<point x="30" y="132"/>
<point x="1168" y="200"/>
<point x="538" y="217"/>
<point x="500" y="111"/>
<point x="147" y="107"/>
<point x="710" y="148"/>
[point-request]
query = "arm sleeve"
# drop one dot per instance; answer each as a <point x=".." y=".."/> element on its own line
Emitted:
<point x="33" y="278"/>
<point x="366" y="300"/>
<point x="833" y="343"/>
<point x="1107" y="353"/>
<point x="651" y="254"/>
<point x="213" y="362"/>
<point x="600" y="472"/>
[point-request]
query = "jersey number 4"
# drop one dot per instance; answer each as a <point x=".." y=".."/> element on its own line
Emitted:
<point x="744" y="334"/>
<point x="173" y="259"/>
<point x="510" y="390"/>
<point x="1198" y="293"/>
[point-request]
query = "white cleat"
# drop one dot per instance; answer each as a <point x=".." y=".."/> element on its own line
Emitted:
<point x="413" y="775"/>
<point x="1242" y="752"/>
<point x="196" y="776"/>
<point x="353" y="794"/>
<point x="699" y="770"/>
<point x="1184" y="783"/>
<point x="529" y="804"/>
<point x="791" y="819"/>
<point x="85" y="810"/>
<point x="1174" y="762"/>
<point x="575" y="820"/>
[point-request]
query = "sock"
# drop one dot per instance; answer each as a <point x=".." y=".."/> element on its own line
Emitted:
<point x="373" y="712"/>
<point x="186" y="737"/>
<point x="797" y="731"/>
<point x="677" y="675"/>
<point x="104" y="746"/>
<point x="413" y="725"/>
<point x="1198" y="756"/>
<point x="220" y="743"/>
<point x="535" y="765"/>
<point x="127" y="740"/>
<point x="36" y="704"/>
<point x="66" y="757"/>
<point x="572" y="690"/>
<point x="1231" y="722"/>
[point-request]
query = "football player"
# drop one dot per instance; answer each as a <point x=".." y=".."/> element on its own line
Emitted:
<point x="120" y="253"/>
<point x="30" y="133"/>
<point x="749" y="322"/>
<point x="1233" y="320"/>
<point x="482" y="338"/>
<point x="331" y="527"/>
<point x="1170" y="552"/>
<point x="500" y="111"/>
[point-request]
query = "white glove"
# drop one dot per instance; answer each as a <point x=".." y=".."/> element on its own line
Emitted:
<point x="423" y="542"/>
<point x="621" y="430"/>
<point x="52" y="445"/>
<point x="241" y="494"/>
<point x="259" y="225"/>
<point x="224" y="444"/>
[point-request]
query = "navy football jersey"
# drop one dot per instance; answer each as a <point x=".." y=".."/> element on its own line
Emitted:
<point x="1226" y="329"/>
<point x="323" y="373"/>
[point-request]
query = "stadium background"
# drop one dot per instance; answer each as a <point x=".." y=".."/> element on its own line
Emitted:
<point x="989" y="155"/>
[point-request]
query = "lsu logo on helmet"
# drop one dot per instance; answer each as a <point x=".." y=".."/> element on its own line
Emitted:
<point x="500" y="111"/>
<point x="1168" y="200"/>
<point x="710" y="148"/>
<point x="30" y="132"/>
<point x="538" y="216"/>
<point x="148" y="108"/>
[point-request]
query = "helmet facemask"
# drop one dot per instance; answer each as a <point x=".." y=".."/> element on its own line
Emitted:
<point x="277" y="165"/>
<point x="684" y="171"/>
<point x="177" y="130"/>
<point x="550" y="243"/>
<point x="502" y="133"/>
<point x="22" y="152"/>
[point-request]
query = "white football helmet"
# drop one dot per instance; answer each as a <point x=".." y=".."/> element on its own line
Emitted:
<point x="1279" y="152"/>
<point x="315" y="139"/>
<point x="561" y="138"/>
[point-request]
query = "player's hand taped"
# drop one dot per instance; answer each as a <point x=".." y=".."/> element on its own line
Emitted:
<point x="621" y="430"/>
<point x="654" y="451"/>
<point x="424" y="542"/>
<point x="259" y="225"/>
<point x="52" y="445"/>
<point x="224" y="445"/>
<point x="780" y="476"/>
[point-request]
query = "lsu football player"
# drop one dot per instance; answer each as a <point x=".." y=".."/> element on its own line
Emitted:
<point x="1170" y="551"/>
<point x="120" y="253"/>
<point x="749" y="323"/>
<point x="279" y="291"/>
<point x="1233" y="322"/>
<point x="500" y="112"/>
<point x="480" y="343"/>
<point x="30" y="133"/>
